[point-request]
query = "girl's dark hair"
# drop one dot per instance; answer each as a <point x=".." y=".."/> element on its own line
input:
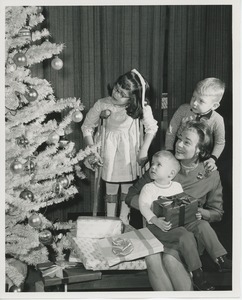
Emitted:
<point x="205" y="143"/>
<point x="131" y="83"/>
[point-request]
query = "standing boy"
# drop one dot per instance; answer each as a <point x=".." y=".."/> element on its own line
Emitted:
<point x="205" y="100"/>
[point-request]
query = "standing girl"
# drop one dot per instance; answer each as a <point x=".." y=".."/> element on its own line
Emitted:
<point x="125" y="149"/>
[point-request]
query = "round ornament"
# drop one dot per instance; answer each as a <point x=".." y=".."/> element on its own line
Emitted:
<point x="45" y="237"/>
<point x="15" y="289"/>
<point x="39" y="9"/>
<point x="57" y="63"/>
<point x="29" y="166"/>
<point x="27" y="195"/>
<point x="16" y="167"/>
<point x="77" y="116"/>
<point x="24" y="33"/>
<point x="20" y="59"/>
<point x="58" y="188"/>
<point x="53" y="138"/>
<point x="22" y="141"/>
<point x="63" y="181"/>
<point x="35" y="220"/>
<point x="31" y="94"/>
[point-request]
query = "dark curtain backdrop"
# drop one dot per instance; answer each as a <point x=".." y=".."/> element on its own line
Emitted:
<point x="102" y="43"/>
<point x="172" y="46"/>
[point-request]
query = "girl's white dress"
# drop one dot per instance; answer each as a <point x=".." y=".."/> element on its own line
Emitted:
<point x="122" y="139"/>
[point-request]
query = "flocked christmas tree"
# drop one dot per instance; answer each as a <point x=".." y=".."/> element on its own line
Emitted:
<point x="40" y="165"/>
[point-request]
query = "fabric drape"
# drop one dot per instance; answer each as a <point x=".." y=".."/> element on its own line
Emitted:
<point x="101" y="43"/>
<point x="199" y="46"/>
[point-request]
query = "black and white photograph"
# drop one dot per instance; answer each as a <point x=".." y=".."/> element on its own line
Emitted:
<point x="121" y="150"/>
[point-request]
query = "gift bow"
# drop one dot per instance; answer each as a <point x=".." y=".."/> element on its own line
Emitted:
<point x="122" y="246"/>
<point x="57" y="269"/>
<point x="173" y="200"/>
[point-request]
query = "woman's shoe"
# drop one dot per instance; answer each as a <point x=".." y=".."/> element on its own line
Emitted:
<point x="199" y="282"/>
<point x="224" y="264"/>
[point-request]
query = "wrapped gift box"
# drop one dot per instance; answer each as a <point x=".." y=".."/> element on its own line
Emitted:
<point x="90" y="254"/>
<point x="179" y="209"/>
<point x="98" y="227"/>
<point x="143" y="243"/>
<point x="53" y="274"/>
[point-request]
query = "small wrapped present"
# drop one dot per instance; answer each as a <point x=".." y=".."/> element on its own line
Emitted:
<point x="64" y="272"/>
<point x="98" y="227"/>
<point x="179" y="209"/>
<point x="139" y="243"/>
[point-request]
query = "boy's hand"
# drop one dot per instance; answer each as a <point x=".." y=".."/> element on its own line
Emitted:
<point x="161" y="223"/>
<point x="210" y="165"/>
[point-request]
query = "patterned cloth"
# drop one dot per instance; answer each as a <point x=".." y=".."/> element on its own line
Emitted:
<point x="122" y="139"/>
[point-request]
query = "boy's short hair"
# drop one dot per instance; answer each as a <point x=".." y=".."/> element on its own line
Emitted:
<point x="171" y="157"/>
<point x="211" y="87"/>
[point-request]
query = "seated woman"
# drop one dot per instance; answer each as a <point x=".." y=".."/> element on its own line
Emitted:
<point x="192" y="148"/>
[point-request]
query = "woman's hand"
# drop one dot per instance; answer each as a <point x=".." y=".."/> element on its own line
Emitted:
<point x="161" y="223"/>
<point x="198" y="216"/>
<point x="142" y="157"/>
<point x="210" y="165"/>
<point x="93" y="161"/>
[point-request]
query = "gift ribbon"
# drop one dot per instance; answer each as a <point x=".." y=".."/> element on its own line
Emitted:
<point x="56" y="270"/>
<point x="122" y="247"/>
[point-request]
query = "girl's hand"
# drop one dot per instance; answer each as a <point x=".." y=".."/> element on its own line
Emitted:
<point x="161" y="223"/>
<point x="93" y="161"/>
<point x="142" y="157"/>
<point x="210" y="165"/>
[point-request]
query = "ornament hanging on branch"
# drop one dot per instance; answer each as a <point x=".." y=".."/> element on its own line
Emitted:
<point x="39" y="9"/>
<point x="29" y="166"/>
<point x="20" y="59"/>
<point x="45" y="237"/>
<point x="15" y="289"/>
<point x="56" y="63"/>
<point x="22" y="141"/>
<point x="63" y="181"/>
<point x="16" y="167"/>
<point x="53" y="138"/>
<point x="35" y="220"/>
<point x="77" y="116"/>
<point x="58" y="188"/>
<point x="25" y="34"/>
<point x="27" y="195"/>
<point x="31" y="94"/>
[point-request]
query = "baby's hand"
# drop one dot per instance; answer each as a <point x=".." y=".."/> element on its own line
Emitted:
<point x="210" y="165"/>
<point x="93" y="161"/>
<point x="162" y="224"/>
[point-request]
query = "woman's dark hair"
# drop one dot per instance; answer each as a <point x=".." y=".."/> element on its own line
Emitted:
<point x="205" y="143"/>
<point x="131" y="83"/>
